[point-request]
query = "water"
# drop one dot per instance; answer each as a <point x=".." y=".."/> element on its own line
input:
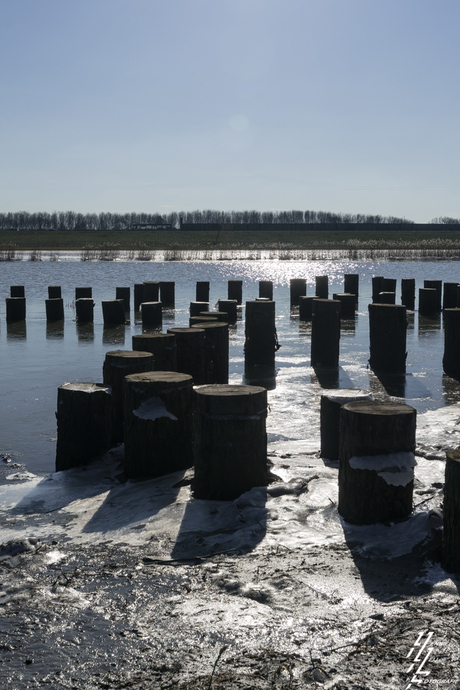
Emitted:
<point x="36" y="360"/>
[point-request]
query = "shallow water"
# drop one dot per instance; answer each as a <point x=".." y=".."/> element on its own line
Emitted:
<point x="35" y="360"/>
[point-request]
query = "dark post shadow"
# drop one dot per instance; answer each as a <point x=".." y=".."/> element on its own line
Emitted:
<point x="331" y="378"/>
<point x="114" y="335"/>
<point x="54" y="330"/>
<point x="16" y="330"/>
<point x="260" y="376"/>
<point x="388" y="576"/>
<point x="213" y="527"/>
<point x="450" y="389"/>
<point x="402" y="385"/>
<point x="85" y="332"/>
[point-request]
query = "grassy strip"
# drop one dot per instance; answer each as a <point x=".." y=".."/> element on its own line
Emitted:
<point x="275" y="239"/>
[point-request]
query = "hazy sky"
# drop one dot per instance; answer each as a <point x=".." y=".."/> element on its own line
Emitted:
<point x="165" y="105"/>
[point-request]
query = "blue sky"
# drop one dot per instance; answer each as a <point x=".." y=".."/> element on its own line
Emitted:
<point x="167" y="105"/>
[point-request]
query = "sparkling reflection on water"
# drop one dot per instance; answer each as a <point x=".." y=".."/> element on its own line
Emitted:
<point x="36" y="358"/>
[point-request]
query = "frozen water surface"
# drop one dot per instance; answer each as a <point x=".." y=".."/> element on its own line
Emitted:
<point x="108" y="583"/>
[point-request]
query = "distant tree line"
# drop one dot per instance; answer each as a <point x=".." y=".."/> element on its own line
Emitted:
<point x="70" y="220"/>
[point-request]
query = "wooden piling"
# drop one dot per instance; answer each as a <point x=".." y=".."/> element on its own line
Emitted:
<point x="117" y="365"/>
<point x="261" y="341"/>
<point x="219" y="315"/>
<point x="54" y="292"/>
<point x="54" y="309"/>
<point x="230" y="446"/>
<point x="230" y="307"/>
<point x="306" y="308"/>
<point x="113" y="312"/>
<point x="387" y="298"/>
<point x="151" y="291"/>
<point x="152" y="314"/>
<point x="376" y="461"/>
<point x="449" y="296"/>
<point x="351" y="284"/>
<point x="266" y="289"/>
<point x="15" y="309"/>
<point x="161" y="345"/>
<point x="197" y="307"/>
<point x="408" y="293"/>
<point x="168" y="294"/>
<point x="298" y="289"/>
<point x="202" y="291"/>
<point x="83" y="292"/>
<point x="158" y="423"/>
<point x="84" y="308"/>
<point x="331" y="402"/>
<point x="451" y="358"/>
<point x="428" y="302"/>
<point x="389" y="285"/>
<point x="193" y="320"/>
<point x="377" y="288"/>
<point x="216" y="351"/>
<point x="322" y="287"/>
<point x="138" y="296"/>
<point x="235" y="290"/>
<point x="347" y="304"/>
<point x="124" y="293"/>
<point x="325" y="333"/>
<point x="190" y="352"/>
<point x="435" y="285"/>
<point x="83" y="423"/>
<point x="387" y="335"/>
<point x="451" y="514"/>
<point x="17" y="291"/>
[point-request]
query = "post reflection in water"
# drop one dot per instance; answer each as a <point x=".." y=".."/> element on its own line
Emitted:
<point x="114" y="335"/>
<point x="17" y="330"/>
<point x="85" y="332"/>
<point x="54" y="330"/>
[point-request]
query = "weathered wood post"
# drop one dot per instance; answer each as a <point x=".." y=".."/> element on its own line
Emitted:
<point x="54" y="309"/>
<point x="377" y="288"/>
<point x="54" y="292"/>
<point x="83" y="292"/>
<point x="124" y="293"/>
<point x="193" y="320"/>
<point x="325" y="333"/>
<point x="152" y="314"/>
<point x="428" y="302"/>
<point x="83" y="423"/>
<point x="190" y="352"/>
<point x="351" y="284"/>
<point x="113" y="312"/>
<point x="331" y="402"/>
<point x="389" y="285"/>
<point x="17" y="291"/>
<point x="435" y="285"/>
<point x="216" y="351"/>
<point x="219" y="315"/>
<point x="298" y="289"/>
<point x="451" y="514"/>
<point x="197" y="307"/>
<point x="376" y="461"/>
<point x="451" y="358"/>
<point x="266" y="289"/>
<point x="158" y="423"/>
<point x="230" y="446"/>
<point x="84" y="308"/>
<point x="230" y="307"/>
<point x="117" y="365"/>
<point x="202" y="291"/>
<point x="138" y="296"/>
<point x="408" y="293"/>
<point x="322" y="287"/>
<point x="15" y="309"/>
<point x="387" y="298"/>
<point x="347" y="304"/>
<point x="387" y="335"/>
<point x="161" y="345"/>
<point x="151" y="291"/>
<point x="449" y="296"/>
<point x="235" y="290"/>
<point x="306" y="308"/>
<point x="168" y="294"/>
<point x="261" y="341"/>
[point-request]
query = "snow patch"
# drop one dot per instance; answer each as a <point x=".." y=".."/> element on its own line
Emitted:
<point x="153" y="408"/>
<point x="394" y="468"/>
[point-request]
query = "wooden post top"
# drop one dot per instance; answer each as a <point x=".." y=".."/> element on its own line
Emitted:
<point x="163" y="380"/>
<point x="232" y="399"/>
<point x="370" y="407"/>
<point x="183" y="331"/>
<point x="206" y="325"/>
<point x="124" y="356"/>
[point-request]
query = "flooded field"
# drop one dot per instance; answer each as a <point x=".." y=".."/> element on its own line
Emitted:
<point x="108" y="584"/>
